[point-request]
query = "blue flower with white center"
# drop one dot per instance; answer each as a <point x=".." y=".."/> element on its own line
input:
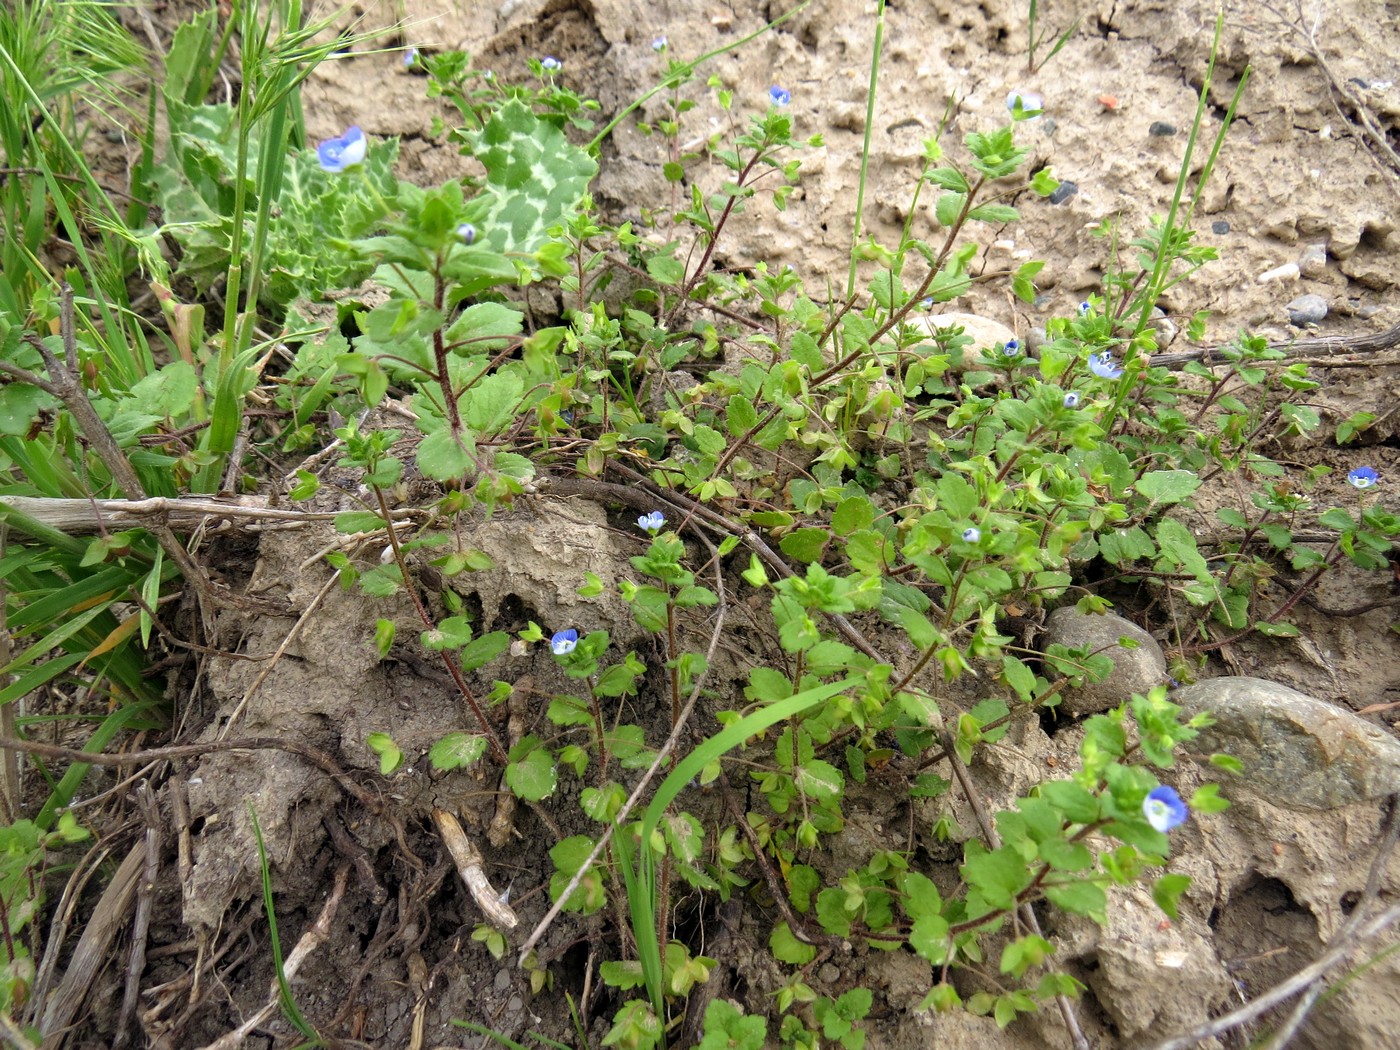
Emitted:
<point x="564" y="642"/>
<point x="779" y="96"/>
<point x="652" y="523"/>
<point x="971" y="534"/>
<point x="1084" y="307"/>
<point x="1071" y="400"/>
<point x="1164" y="809"/>
<point x="1024" y="103"/>
<point x="409" y="57"/>
<point x="1363" y="477"/>
<point x="343" y="153"/>
<point x="659" y="44"/>
<point x="1103" y="366"/>
<point x="550" y="64"/>
<point x="1013" y="347"/>
<point x="467" y="232"/>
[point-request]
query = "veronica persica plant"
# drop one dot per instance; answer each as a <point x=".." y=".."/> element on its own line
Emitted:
<point x="1164" y="809"/>
<point x="343" y="153"/>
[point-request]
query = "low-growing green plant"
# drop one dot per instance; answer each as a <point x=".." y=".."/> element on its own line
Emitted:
<point x="885" y="494"/>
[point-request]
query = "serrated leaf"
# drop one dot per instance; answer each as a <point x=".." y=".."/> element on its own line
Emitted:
<point x="534" y="777"/>
<point x="805" y="545"/>
<point x="481" y="651"/>
<point x="457" y="751"/>
<point x="1165" y="487"/>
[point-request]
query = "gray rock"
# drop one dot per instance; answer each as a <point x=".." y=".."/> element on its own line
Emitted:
<point x="1219" y="226"/>
<point x="1313" y="261"/>
<point x="1064" y="191"/>
<point x="1166" y="329"/>
<point x="1298" y="752"/>
<point x="1134" y="670"/>
<point x="1161" y="129"/>
<point x="1307" y="309"/>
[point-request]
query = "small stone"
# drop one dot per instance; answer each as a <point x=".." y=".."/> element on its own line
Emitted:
<point x="1161" y="129"/>
<point x="1313" y="261"/>
<point x="1286" y="272"/>
<point x="1298" y="752"/>
<point x="1220" y="226"/>
<point x="1134" y="670"/>
<point x="502" y="980"/>
<point x="829" y="974"/>
<point x="1307" y="309"/>
<point x="1166" y="329"/>
<point x="1359" y="83"/>
<point x="1064" y="191"/>
<point x="1035" y="339"/>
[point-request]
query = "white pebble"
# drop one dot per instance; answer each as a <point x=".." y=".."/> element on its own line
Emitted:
<point x="1286" y="272"/>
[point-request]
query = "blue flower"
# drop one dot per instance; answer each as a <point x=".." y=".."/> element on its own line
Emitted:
<point x="779" y="96"/>
<point x="467" y="232"/>
<point x="1164" y="809"/>
<point x="659" y="44"/>
<point x="1071" y="400"/>
<point x="409" y="57"/>
<point x="343" y="153"/>
<point x="1084" y="307"/>
<point x="550" y="64"/>
<point x="564" y="642"/>
<point x="652" y="523"/>
<point x="1013" y="347"/>
<point x="1102" y="365"/>
<point x="971" y="534"/>
<point x="1025" y="102"/>
<point x="1363" y="477"/>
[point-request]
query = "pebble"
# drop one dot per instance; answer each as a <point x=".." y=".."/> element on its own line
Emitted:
<point x="1166" y="329"/>
<point x="1307" y="309"/>
<point x="1286" y="272"/>
<point x="1134" y="670"/>
<point x="1298" y="752"/>
<point x="1161" y="129"/>
<point x="1064" y="191"/>
<point x="1313" y="261"/>
<point x="502" y="980"/>
<point x="829" y="974"/>
<point x="1220" y="226"/>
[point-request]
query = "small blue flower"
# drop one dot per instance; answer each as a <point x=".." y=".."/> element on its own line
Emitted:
<point x="1164" y="809"/>
<point x="550" y="64"/>
<point x="1071" y="400"/>
<point x="779" y="96"/>
<point x="1013" y="347"/>
<point x="971" y="534"/>
<point x="659" y="44"/>
<point x="1084" y="307"/>
<point x="927" y="304"/>
<point x="409" y="57"/>
<point x="344" y="153"/>
<point x="652" y="523"/>
<point x="1363" y="477"/>
<point x="1102" y="365"/>
<point x="564" y="642"/>
<point x="467" y="232"/>
<point x="1024" y="102"/>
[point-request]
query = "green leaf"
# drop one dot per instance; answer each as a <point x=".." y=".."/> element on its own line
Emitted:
<point x="353" y="521"/>
<point x="534" y="777"/>
<point x="492" y="402"/>
<point x="441" y="457"/>
<point x="805" y="545"/>
<point x="851" y="515"/>
<point x="457" y="751"/>
<point x="483" y="650"/>
<point x="1076" y="803"/>
<point x="1167" y="891"/>
<point x="1081" y="898"/>
<point x="787" y="948"/>
<point x="452" y="633"/>
<point x="998" y="876"/>
<point x="390" y="757"/>
<point x="535" y="177"/>
<point x="726" y="1028"/>
<point x="1165" y="487"/>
